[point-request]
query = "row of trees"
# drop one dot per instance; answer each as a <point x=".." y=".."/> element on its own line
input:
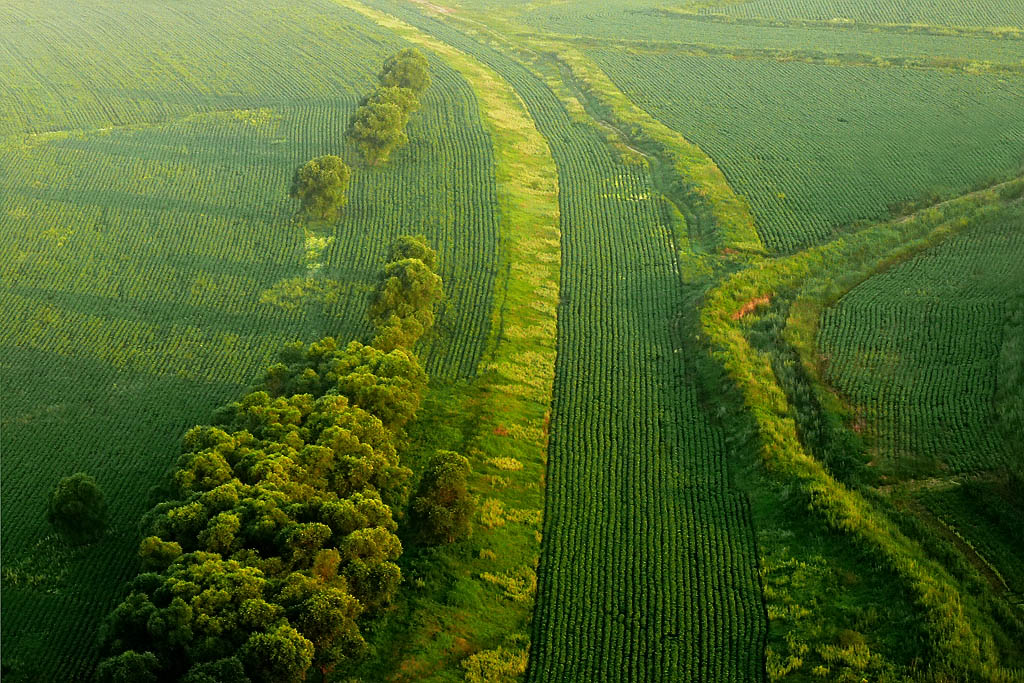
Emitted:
<point x="279" y="538"/>
<point x="378" y="126"/>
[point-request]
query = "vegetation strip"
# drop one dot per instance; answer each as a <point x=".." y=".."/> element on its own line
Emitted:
<point x="807" y="56"/>
<point x="518" y="369"/>
<point x="1001" y="32"/>
<point x="698" y="180"/>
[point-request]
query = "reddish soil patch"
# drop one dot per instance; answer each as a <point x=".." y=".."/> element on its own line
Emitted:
<point x="501" y="431"/>
<point x="752" y="305"/>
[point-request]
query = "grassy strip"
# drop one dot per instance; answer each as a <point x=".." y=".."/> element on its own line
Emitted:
<point x="1000" y="32"/>
<point x="808" y="56"/>
<point x="700" y="181"/>
<point x="961" y="646"/>
<point x="484" y="614"/>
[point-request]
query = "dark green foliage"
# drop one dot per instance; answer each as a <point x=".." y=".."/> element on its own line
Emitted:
<point x="407" y="69"/>
<point x="77" y="509"/>
<point x="443" y="505"/>
<point x="321" y="185"/>
<point x="129" y="667"/>
<point x="378" y="126"/>
<point x="415" y="247"/>
<point x="402" y="309"/>
<point x="157" y="554"/>
<point x="389" y="385"/>
<point x="403" y="98"/>
<point x="378" y="129"/>
<point x="228" y="670"/>
<point x="280" y="656"/>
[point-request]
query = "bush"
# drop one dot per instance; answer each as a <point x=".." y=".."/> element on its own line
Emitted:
<point x="322" y="187"/>
<point x="77" y="509"/>
<point x="444" y="506"/>
<point x="407" y="69"/>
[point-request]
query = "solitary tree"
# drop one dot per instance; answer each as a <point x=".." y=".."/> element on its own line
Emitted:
<point x="378" y="128"/>
<point x="77" y="509"/>
<point x="444" y="506"/>
<point x="321" y="185"/>
<point x="407" y="69"/>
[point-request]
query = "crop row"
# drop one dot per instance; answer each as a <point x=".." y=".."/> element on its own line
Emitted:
<point x="915" y="349"/>
<point x="755" y="118"/>
<point x="984" y="514"/>
<point x="85" y="69"/>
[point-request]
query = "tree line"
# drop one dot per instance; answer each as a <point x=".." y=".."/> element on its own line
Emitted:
<point x="278" y="540"/>
<point x="377" y="128"/>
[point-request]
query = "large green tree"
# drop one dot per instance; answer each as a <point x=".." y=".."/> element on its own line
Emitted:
<point x="403" y="98"/>
<point x="321" y="185"/>
<point x="77" y="509"/>
<point x="443" y="505"/>
<point x="378" y="129"/>
<point x="407" y="69"/>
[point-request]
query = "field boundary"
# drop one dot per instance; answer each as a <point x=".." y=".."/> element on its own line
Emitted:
<point x="512" y="396"/>
<point x="819" y="57"/>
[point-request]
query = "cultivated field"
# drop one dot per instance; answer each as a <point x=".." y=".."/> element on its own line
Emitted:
<point x="732" y="337"/>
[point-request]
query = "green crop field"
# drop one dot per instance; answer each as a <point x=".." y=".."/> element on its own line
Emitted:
<point x="915" y="350"/>
<point x="940" y="12"/>
<point x="864" y="156"/>
<point x="654" y="26"/>
<point x="731" y="338"/>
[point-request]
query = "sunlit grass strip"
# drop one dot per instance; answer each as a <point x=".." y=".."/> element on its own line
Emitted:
<point x="517" y="374"/>
<point x="734" y="223"/>
<point x="693" y="13"/>
<point x="958" y="646"/>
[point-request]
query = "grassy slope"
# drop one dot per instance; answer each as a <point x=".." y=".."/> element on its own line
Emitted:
<point x="143" y="240"/>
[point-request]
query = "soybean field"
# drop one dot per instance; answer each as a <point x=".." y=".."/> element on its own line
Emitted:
<point x="863" y="157"/>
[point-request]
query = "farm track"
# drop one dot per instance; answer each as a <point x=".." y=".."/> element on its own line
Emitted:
<point x="648" y="570"/>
